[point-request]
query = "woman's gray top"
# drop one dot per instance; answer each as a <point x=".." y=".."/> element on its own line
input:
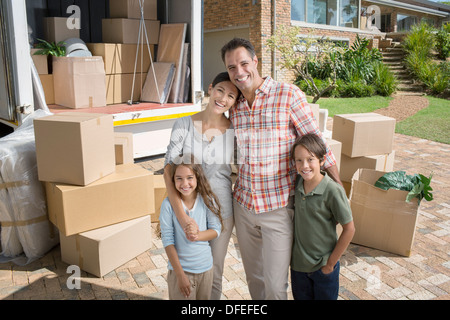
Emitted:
<point x="215" y="156"/>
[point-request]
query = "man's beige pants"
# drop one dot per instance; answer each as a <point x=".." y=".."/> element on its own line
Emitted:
<point x="265" y="243"/>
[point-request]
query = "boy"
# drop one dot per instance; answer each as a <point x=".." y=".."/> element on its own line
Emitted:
<point x="320" y="203"/>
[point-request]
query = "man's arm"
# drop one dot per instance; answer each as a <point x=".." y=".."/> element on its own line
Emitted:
<point x="334" y="174"/>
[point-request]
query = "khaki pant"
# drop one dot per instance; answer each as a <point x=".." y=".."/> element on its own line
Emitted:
<point x="265" y="243"/>
<point x="219" y="247"/>
<point x="201" y="284"/>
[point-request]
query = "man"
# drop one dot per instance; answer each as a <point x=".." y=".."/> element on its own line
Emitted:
<point x="267" y="121"/>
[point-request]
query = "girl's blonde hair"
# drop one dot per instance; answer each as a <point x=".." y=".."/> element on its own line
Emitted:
<point x="203" y="186"/>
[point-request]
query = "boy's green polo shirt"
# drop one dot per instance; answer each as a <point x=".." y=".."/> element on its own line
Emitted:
<point x="316" y="215"/>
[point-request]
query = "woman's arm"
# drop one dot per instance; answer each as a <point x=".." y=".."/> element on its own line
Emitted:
<point x="175" y="201"/>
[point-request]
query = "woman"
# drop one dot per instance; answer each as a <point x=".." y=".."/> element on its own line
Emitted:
<point x="209" y="136"/>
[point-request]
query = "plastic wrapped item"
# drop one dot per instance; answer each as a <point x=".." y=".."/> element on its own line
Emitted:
<point x="26" y="232"/>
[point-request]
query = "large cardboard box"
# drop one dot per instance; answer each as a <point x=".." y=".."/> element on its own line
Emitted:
<point x="131" y="9"/>
<point x="79" y="82"/>
<point x="121" y="57"/>
<point x="123" y="143"/>
<point x="119" y="87"/>
<point x="336" y="147"/>
<point x="102" y="250"/>
<point x="118" y="30"/>
<point x="40" y="61"/>
<point x="47" y="85"/>
<point x="56" y="29"/>
<point x="75" y="148"/>
<point x="382" y="162"/>
<point x="123" y="195"/>
<point x="383" y="219"/>
<point x="364" y="134"/>
<point x="160" y="194"/>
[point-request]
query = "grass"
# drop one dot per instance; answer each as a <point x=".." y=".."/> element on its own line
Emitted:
<point x="352" y="105"/>
<point x="431" y="123"/>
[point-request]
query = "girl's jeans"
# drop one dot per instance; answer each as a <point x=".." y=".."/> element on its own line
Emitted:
<point x="315" y="285"/>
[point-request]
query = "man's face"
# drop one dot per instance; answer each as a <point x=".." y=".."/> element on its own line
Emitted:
<point x="242" y="69"/>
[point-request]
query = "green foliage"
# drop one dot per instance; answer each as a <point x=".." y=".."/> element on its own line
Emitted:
<point x="51" y="48"/>
<point x="418" y="61"/>
<point x="443" y="41"/>
<point x="417" y="185"/>
<point x="358" y="88"/>
<point x="302" y="55"/>
<point x="384" y="80"/>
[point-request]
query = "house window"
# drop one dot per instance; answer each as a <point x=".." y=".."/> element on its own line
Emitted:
<point x="405" y="22"/>
<point x="343" y="13"/>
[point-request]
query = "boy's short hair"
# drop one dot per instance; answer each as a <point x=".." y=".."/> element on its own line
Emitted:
<point x="237" y="43"/>
<point x="311" y="142"/>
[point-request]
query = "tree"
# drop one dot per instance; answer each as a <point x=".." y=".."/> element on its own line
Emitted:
<point x="296" y="53"/>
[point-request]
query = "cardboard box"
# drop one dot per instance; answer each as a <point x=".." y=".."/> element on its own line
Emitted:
<point x="383" y="219"/>
<point x="383" y="162"/>
<point x="315" y="110"/>
<point x="56" y="29"/>
<point x="364" y="134"/>
<point x="47" y="85"/>
<point x="123" y="195"/>
<point x="336" y="147"/>
<point x="79" y="82"/>
<point x="120" y="86"/>
<point x="75" y="148"/>
<point x="160" y="194"/>
<point x="131" y="9"/>
<point x="123" y="143"/>
<point x="118" y="30"/>
<point x="121" y="58"/>
<point x="102" y="250"/>
<point x="40" y="61"/>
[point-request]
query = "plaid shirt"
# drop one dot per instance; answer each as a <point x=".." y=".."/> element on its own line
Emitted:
<point x="265" y="133"/>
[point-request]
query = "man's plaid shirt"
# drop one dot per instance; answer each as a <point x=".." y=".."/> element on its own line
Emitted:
<point x="265" y="134"/>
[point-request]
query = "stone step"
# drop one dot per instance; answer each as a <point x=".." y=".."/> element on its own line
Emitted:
<point x="409" y="87"/>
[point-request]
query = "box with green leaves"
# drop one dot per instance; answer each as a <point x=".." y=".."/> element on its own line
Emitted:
<point x="384" y="219"/>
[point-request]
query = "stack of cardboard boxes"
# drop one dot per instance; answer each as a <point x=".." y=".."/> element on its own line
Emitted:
<point x="101" y="207"/>
<point x="124" y="49"/>
<point x="367" y="142"/>
<point x="383" y="219"/>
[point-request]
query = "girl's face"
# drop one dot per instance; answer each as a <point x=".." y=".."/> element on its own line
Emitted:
<point x="222" y="96"/>
<point x="185" y="181"/>
<point x="307" y="164"/>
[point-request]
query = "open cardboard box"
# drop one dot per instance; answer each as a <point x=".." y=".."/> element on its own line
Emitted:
<point x="383" y="219"/>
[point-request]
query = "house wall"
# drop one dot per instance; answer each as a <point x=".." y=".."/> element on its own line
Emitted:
<point x="256" y="15"/>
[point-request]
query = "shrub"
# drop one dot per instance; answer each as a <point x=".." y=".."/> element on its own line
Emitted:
<point x="357" y="89"/>
<point x="443" y="41"/>
<point x="384" y="81"/>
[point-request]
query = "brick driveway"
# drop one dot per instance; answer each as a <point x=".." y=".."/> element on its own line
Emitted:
<point x="365" y="273"/>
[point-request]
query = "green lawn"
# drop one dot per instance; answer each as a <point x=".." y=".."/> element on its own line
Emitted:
<point x="352" y="105"/>
<point x="431" y="123"/>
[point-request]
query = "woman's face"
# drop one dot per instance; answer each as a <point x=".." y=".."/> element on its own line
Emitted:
<point x="222" y="96"/>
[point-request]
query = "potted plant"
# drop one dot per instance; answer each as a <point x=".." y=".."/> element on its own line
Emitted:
<point x="50" y="49"/>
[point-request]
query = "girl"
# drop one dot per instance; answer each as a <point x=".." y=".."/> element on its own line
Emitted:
<point x="190" y="262"/>
<point x="320" y="203"/>
<point x="208" y="135"/>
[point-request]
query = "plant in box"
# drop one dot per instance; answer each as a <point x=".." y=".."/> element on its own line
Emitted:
<point x="51" y="49"/>
<point x="418" y="185"/>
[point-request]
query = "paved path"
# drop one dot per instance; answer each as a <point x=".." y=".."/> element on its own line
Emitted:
<point x="365" y="273"/>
